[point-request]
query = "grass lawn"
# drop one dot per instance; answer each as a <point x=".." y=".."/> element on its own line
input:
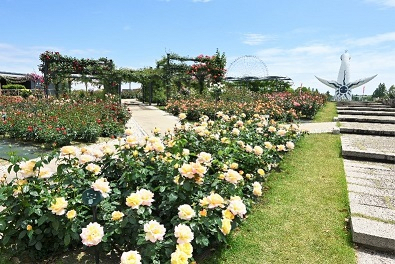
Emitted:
<point x="301" y="218"/>
<point x="326" y="113"/>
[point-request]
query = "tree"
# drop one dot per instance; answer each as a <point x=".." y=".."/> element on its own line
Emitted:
<point x="380" y="91"/>
<point x="391" y="92"/>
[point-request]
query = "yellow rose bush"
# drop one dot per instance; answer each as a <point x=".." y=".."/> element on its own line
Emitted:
<point x="164" y="199"/>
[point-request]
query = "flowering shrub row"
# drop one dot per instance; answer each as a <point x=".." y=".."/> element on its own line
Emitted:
<point x="165" y="199"/>
<point x="58" y="122"/>
<point x="284" y="106"/>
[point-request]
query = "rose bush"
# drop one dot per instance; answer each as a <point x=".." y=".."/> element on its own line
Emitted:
<point x="284" y="106"/>
<point x="56" y="123"/>
<point x="164" y="198"/>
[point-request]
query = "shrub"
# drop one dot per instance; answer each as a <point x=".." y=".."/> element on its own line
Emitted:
<point x="58" y="122"/>
<point x="13" y="86"/>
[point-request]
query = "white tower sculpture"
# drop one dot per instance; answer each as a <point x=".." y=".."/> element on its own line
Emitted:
<point x="343" y="86"/>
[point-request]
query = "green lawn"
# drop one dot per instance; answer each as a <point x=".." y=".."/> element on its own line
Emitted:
<point x="301" y="218"/>
<point x="327" y="113"/>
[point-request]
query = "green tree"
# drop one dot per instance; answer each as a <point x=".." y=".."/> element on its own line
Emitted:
<point x="391" y="92"/>
<point x="380" y="91"/>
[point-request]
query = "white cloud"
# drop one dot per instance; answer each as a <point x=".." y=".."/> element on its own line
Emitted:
<point x="26" y="59"/>
<point x="373" y="40"/>
<point x="254" y="39"/>
<point x="312" y="49"/>
<point x="386" y="3"/>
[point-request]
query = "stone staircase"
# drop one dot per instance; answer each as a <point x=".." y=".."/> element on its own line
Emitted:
<point x="368" y="149"/>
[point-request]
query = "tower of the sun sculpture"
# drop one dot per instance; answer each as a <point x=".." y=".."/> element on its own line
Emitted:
<point x="343" y="86"/>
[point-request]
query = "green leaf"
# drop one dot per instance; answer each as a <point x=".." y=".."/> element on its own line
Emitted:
<point x="38" y="245"/>
<point x="25" y="188"/>
<point x="5" y="240"/>
<point x="2" y="225"/>
<point x="187" y="185"/>
<point x="34" y="193"/>
<point x="172" y="197"/>
<point x="141" y="210"/>
<point x="55" y="225"/>
<point x="22" y="234"/>
<point x="41" y="220"/>
<point x="16" y="168"/>
<point x="66" y="240"/>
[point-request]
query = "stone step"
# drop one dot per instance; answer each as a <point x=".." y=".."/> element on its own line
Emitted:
<point x="367" y="119"/>
<point x="367" y="129"/>
<point x="364" y="112"/>
<point x="359" y="103"/>
<point x="367" y="147"/>
<point x="371" y="192"/>
<point x="365" y="108"/>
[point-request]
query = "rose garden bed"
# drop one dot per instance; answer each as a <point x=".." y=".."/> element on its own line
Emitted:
<point x="165" y="199"/>
<point x="55" y="123"/>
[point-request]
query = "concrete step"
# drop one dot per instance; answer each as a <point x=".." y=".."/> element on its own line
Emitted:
<point x="367" y="147"/>
<point x="364" y="108"/>
<point x="368" y="113"/>
<point x="371" y="191"/>
<point x="358" y="103"/>
<point x="367" y="129"/>
<point x="367" y="119"/>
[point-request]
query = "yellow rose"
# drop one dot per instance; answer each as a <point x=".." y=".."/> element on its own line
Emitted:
<point x="227" y="214"/>
<point x="146" y="196"/>
<point x="71" y="214"/>
<point x="182" y="116"/>
<point x="233" y="176"/>
<point x="29" y="227"/>
<point x="234" y="166"/>
<point x="257" y="189"/>
<point x="69" y="151"/>
<point x="237" y="207"/>
<point x="213" y="200"/>
<point x="258" y="150"/>
<point x="186" y="248"/>
<point x="154" y="231"/>
<point x="116" y="215"/>
<point x="131" y="257"/>
<point x="179" y="257"/>
<point x="59" y="206"/>
<point x="134" y="200"/>
<point x="103" y="186"/>
<point x="92" y="234"/>
<point x="183" y="234"/>
<point x="95" y="169"/>
<point x="226" y="226"/>
<point x="185" y="212"/>
<point x="261" y="172"/>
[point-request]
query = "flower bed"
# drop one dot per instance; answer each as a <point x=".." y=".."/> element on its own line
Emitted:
<point x="283" y="106"/>
<point x="56" y="123"/>
<point x="164" y="199"/>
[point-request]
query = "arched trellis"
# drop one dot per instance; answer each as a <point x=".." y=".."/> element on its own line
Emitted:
<point x="204" y="69"/>
<point x="57" y="68"/>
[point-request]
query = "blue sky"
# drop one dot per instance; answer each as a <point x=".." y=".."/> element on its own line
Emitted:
<point x="298" y="39"/>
